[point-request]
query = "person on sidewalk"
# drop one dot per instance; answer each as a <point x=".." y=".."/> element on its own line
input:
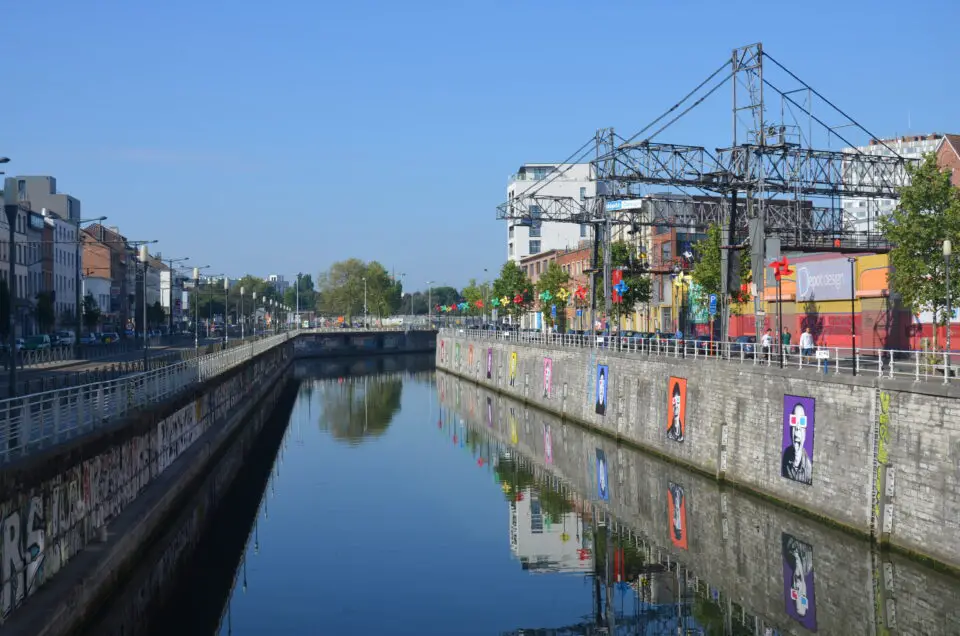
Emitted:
<point x="806" y="343"/>
<point x="785" y="338"/>
<point x="766" y="343"/>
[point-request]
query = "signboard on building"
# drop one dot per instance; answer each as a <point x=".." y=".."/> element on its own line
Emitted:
<point x="35" y="221"/>
<point x="823" y="280"/>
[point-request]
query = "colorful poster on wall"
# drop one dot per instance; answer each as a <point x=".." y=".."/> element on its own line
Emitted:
<point x="798" y="428"/>
<point x="603" y="382"/>
<point x="513" y="368"/>
<point x="603" y="486"/>
<point x="677" y="409"/>
<point x="547" y="444"/>
<point x="489" y="362"/>
<point x="443" y="350"/>
<point x="798" y="584"/>
<point x="489" y="412"/>
<point x="470" y="355"/>
<point x="547" y="376"/>
<point x="677" y="510"/>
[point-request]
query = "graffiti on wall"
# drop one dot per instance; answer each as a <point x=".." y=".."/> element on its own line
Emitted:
<point x="513" y="368"/>
<point x="44" y="528"/>
<point x="489" y="362"/>
<point x="677" y="409"/>
<point x="882" y="454"/>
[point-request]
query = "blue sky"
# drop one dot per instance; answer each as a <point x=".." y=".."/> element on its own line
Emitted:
<point x="284" y="136"/>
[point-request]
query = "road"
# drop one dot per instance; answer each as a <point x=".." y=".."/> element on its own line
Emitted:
<point x="34" y="379"/>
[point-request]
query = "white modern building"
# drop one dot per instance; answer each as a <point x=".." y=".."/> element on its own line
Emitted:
<point x="542" y="544"/>
<point x="570" y="181"/>
<point x="863" y="214"/>
<point x="99" y="288"/>
<point x="278" y="282"/>
<point x="171" y="289"/>
<point x="63" y="250"/>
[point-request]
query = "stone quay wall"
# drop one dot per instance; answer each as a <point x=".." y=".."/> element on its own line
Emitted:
<point x="740" y="544"/>
<point x="877" y="456"/>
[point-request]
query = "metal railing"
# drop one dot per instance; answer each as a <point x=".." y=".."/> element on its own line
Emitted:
<point x="886" y="363"/>
<point x="33" y="422"/>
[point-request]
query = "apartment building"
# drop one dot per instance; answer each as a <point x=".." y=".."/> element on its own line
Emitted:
<point x="106" y="254"/>
<point x="533" y="235"/>
<point x="61" y="268"/>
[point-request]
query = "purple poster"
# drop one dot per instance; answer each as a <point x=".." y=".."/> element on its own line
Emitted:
<point x="798" y="592"/>
<point x="489" y="362"/>
<point x="796" y="462"/>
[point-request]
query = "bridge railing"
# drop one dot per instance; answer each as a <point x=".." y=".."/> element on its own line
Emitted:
<point x="939" y="366"/>
<point x="371" y="329"/>
<point x="33" y="422"/>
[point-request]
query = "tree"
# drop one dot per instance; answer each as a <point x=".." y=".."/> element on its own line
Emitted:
<point x="444" y="295"/>
<point x="4" y="308"/>
<point x="928" y="213"/>
<point x="91" y="313"/>
<point x="707" y="268"/>
<point x="155" y="314"/>
<point x="381" y="290"/>
<point x="552" y="281"/>
<point x="511" y="283"/>
<point x="341" y="289"/>
<point x="360" y="407"/>
<point x="44" y="312"/>
<point x="308" y="294"/>
<point x="477" y="292"/>
<point x="638" y="284"/>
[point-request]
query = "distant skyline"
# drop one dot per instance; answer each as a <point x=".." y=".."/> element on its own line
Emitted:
<point x="284" y="140"/>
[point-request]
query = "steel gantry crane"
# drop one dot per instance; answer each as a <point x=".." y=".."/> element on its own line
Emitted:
<point x="771" y="189"/>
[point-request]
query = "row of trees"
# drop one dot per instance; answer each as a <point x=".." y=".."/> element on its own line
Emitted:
<point x="344" y="287"/>
<point x="212" y="300"/>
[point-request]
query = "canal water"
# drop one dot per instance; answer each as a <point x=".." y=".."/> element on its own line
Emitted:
<point x="390" y="499"/>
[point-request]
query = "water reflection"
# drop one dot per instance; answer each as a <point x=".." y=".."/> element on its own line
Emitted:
<point x="696" y="558"/>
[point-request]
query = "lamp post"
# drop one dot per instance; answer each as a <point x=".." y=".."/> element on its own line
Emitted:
<point x="365" y="302"/>
<point x="296" y="314"/>
<point x="196" y="307"/>
<point x="12" y="211"/>
<point x="170" y="262"/>
<point x="947" y="253"/>
<point x="255" y="313"/>
<point x="242" y="317"/>
<point x="853" y="316"/>
<point x="483" y="317"/>
<point x="226" y="303"/>
<point x="77" y="284"/>
<point x="429" y="303"/>
<point x="144" y="256"/>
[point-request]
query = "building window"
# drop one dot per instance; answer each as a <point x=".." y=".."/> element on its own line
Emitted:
<point x="535" y="229"/>
<point x="666" y="253"/>
<point x="584" y="230"/>
<point x="510" y="246"/>
<point x="534" y="247"/>
<point x="583" y="194"/>
<point x="511" y="232"/>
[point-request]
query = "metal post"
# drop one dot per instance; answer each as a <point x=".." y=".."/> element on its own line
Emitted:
<point x="144" y="255"/>
<point x="780" y="316"/>
<point x="947" y="253"/>
<point x="226" y="303"/>
<point x="243" y="317"/>
<point x="12" y="211"/>
<point x="853" y="317"/>
<point x="365" y="303"/>
<point x="297" y="312"/>
<point x="76" y="284"/>
<point x="196" y="309"/>
<point x="429" y="303"/>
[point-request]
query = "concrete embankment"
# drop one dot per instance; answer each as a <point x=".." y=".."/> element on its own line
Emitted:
<point x="875" y="456"/>
<point x="77" y="518"/>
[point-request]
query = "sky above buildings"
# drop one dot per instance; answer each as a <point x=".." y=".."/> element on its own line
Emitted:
<point x="282" y="137"/>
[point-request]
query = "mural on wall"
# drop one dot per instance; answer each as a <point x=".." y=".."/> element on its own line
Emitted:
<point x="603" y="382"/>
<point x="489" y="362"/>
<point x="798" y="428"/>
<point x="677" y="511"/>
<point x="470" y="355"/>
<point x="798" y="583"/>
<point x="547" y="444"/>
<point x="677" y="409"/>
<point x="603" y="486"/>
<point x="547" y="377"/>
<point x="513" y="368"/>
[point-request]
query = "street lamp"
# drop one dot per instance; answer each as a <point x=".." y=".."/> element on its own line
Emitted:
<point x="364" y="302"/>
<point x="255" y="319"/>
<point x="947" y="253"/>
<point x="144" y="256"/>
<point x="170" y="262"/>
<point x="79" y="265"/>
<point x="12" y="210"/>
<point x="483" y="318"/>
<point x="196" y="307"/>
<point x="429" y="303"/>
<point x="853" y="316"/>
<point x="242" y="317"/>
<point x="226" y="302"/>
<point x="296" y="314"/>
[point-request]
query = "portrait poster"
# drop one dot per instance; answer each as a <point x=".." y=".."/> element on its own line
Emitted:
<point x="677" y="512"/>
<point x="443" y="350"/>
<point x="547" y="376"/>
<point x="603" y="383"/>
<point x="603" y="486"/>
<point x="677" y="409"/>
<point x="489" y="412"/>
<point x="547" y="444"/>
<point x="796" y="462"/>
<point x="513" y="368"/>
<point x="489" y="362"/>
<point x="470" y="355"/>
<point x="798" y="581"/>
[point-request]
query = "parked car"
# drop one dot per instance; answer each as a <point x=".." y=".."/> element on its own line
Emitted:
<point x="65" y="338"/>
<point x="109" y="337"/>
<point x="90" y="339"/>
<point x="746" y="344"/>
<point x="37" y="343"/>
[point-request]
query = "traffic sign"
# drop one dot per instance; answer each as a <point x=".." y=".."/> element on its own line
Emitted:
<point x="713" y="304"/>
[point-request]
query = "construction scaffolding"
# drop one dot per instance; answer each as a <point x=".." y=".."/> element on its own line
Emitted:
<point x="772" y="182"/>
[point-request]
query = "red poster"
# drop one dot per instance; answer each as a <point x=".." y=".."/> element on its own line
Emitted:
<point x="615" y="279"/>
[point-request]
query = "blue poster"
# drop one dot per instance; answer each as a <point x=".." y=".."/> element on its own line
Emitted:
<point x="603" y="383"/>
<point x="603" y="487"/>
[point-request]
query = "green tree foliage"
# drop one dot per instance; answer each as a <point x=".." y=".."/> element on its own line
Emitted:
<point x="383" y="293"/>
<point x="512" y="282"/>
<point x="928" y="213"/>
<point x="91" y="313"/>
<point x="156" y="315"/>
<point x="308" y="294"/>
<point x="707" y="268"/>
<point x="4" y="308"/>
<point x="474" y="292"/>
<point x="360" y="407"/>
<point x="553" y="280"/>
<point x="639" y="286"/>
<point x="341" y="289"/>
<point x="444" y="295"/>
<point x="44" y="312"/>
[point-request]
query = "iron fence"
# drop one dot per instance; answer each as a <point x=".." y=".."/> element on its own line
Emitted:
<point x="918" y="366"/>
<point x="36" y="421"/>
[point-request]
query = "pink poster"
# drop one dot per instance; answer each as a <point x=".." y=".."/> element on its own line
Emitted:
<point x="547" y="377"/>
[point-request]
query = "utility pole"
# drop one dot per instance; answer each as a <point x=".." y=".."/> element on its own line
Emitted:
<point x="297" y="312"/>
<point x="79" y="266"/>
<point x="12" y="211"/>
<point x="144" y="255"/>
<point x="170" y="262"/>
